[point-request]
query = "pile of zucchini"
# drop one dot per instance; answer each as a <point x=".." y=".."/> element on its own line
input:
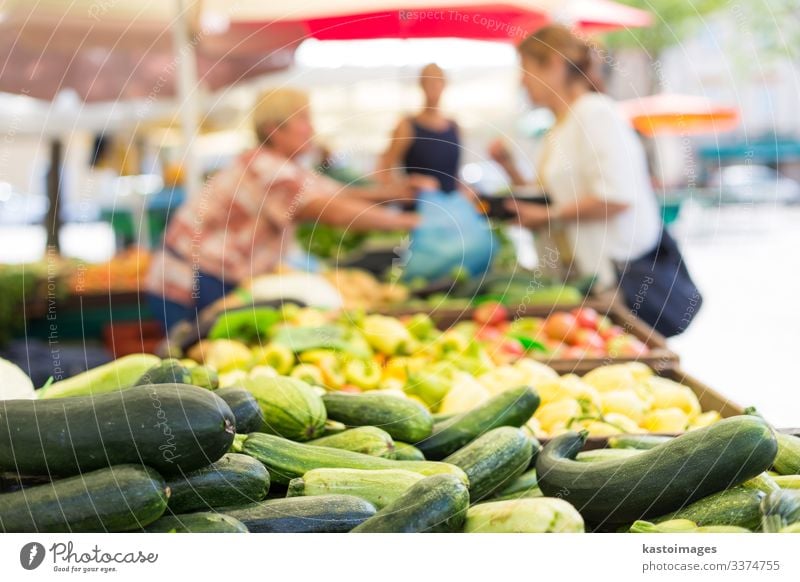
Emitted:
<point x="166" y="451"/>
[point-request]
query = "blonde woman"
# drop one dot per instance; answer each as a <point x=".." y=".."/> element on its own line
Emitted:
<point x="603" y="219"/>
<point x="242" y="223"/>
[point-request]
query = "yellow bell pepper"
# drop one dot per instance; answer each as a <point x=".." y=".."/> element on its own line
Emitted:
<point x="534" y="371"/>
<point x="387" y="335"/>
<point x="503" y="378"/>
<point x="598" y="428"/>
<point x="641" y="372"/>
<point x="626" y="402"/>
<point x="308" y="373"/>
<point x="365" y="374"/>
<point x="558" y="413"/>
<point x="705" y="419"/>
<point x="231" y="378"/>
<point x="225" y="355"/>
<point x="669" y="394"/>
<point x="666" y="420"/>
<point x="277" y="356"/>
<point x="465" y="394"/>
<point x="613" y="377"/>
<point x="624" y="423"/>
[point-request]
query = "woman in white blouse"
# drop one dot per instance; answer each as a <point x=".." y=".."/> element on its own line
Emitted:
<point x="592" y="165"/>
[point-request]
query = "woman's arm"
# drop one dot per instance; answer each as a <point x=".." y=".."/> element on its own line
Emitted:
<point x="358" y="215"/>
<point x="588" y="208"/>
<point x="395" y="152"/>
<point x="500" y="153"/>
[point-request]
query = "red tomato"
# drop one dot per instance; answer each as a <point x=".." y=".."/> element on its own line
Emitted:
<point x="560" y="325"/>
<point x="586" y="317"/>
<point x="490" y="313"/>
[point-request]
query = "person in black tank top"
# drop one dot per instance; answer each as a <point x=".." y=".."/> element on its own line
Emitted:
<point x="428" y="143"/>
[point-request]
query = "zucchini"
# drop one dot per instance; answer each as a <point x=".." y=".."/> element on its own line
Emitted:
<point x="661" y="480"/>
<point x="737" y="506"/>
<point x="245" y="408"/>
<point x="596" y="455"/>
<point x="318" y="514"/>
<point x="121" y="373"/>
<point x="169" y="371"/>
<point x="780" y="509"/>
<point x="368" y="440"/>
<point x="787" y="481"/>
<point x="542" y="515"/>
<point x="510" y="408"/>
<point x="531" y="493"/>
<point x="291" y="408"/>
<point x="435" y="504"/>
<point x="232" y="480"/>
<point x="682" y="526"/>
<point x="171" y="427"/>
<point x="379" y="487"/>
<point x="524" y="482"/>
<point x="788" y="460"/>
<point x="203" y="522"/>
<point x="642" y="442"/>
<point x="120" y="498"/>
<point x="407" y="452"/>
<point x="493" y="461"/>
<point x="287" y="460"/>
<point x="404" y="419"/>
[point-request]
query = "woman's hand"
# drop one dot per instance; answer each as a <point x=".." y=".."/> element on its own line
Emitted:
<point x="499" y="152"/>
<point x="531" y="216"/>
<point x="423" y="183"/>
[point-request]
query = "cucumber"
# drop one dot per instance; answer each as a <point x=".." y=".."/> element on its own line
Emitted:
<point x="169" y="371"/>
<point x="292" y="409"/>
<point x="245" y="408"/>
<point x="787" y="481"/>
<point x="318" y="514"/>
<point x="121" y="373"/>
<point x="511" y="408"/>
<point x="368" y="440"/>
<point x="203" y="522"/>
<point x="232" y="480"/>
<point x="661" y="480"/>
<point x="379" y="487"/>
<point x="493" y="461"/>
<point x="542" y="515"/>
<point x="435" y="504"/>
<point x="637" y="441"/>
<point x="171" y="427"/>
<point x="596" y="455"/>
<point x="407" y="452"/>
<point x="404" y="419"/>
<point x="120" y="498"/>
<point x="788" y="460"/>
<point x="737" y="506"/>
<point x="287" y="460"/>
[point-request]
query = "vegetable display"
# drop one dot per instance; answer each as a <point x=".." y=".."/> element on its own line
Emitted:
<point x="269" y="452"/>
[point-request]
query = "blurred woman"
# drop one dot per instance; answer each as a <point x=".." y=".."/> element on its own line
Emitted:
<point x="427" y="143"/>
<point x="603" y="217"/>
<point x="242" y="223"/>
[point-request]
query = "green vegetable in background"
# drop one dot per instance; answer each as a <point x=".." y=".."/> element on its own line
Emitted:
<point x="246" y="325"/>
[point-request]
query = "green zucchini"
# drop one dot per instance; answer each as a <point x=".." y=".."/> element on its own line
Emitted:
<point x="407" y="452"/>
<point x="642" y="442"/>
<point x="683" y="526"/>
<point x="171" y="427"/>
<point x="531" y="493"/>
<point x="119" y="498"/>
<point x="292" y="409"/>
<point x="435" y="504"/>
<point x="379" y="487"/>
<point x="203" y="522"/>
<point x="317" y="514"/>
<point x="169" y="371"/>
<point x="542" y="515"/>
<point x="661" y="480"/>
<point x="287" y="460"/>
<point x="404" y="419"/>
<point x="787" y="481"/>
<point x="245" y="408"/>
<point x="121" y="373"/>
<point x="780" y="509"/>
<point x="493" y="461"/>
<point x="524" y="482"/>
<point x="788" y="460"/>
<point x="232" y="480"/>
<point x="596" y="455"/>
<point x="368" y="440"/>
<point x="511" y="408"/>
<point x="737" y="506"/>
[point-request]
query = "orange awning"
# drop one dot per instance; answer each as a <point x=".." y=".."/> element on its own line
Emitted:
<point x="672" y="114"/>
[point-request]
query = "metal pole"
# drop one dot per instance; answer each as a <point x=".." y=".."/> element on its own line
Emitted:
<point x="187" y="92"/>
<point x="53" y="218"/>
